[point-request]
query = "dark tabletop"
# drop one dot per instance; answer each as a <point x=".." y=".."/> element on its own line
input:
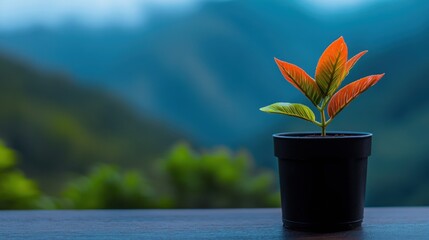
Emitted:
<point x="379" y="223"/>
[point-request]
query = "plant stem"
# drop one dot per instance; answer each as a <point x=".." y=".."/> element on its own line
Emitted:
<point x="323" y="122"/>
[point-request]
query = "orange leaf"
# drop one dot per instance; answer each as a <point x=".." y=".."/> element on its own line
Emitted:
<point x="352" y="61"/>
<point x="301" y="80"/>
<point x="344" y="96"/>
<point x="331" y="68"/>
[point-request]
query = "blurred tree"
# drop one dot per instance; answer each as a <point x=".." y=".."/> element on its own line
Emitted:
<point x="217" y="179"/>
<point x="16" y="191"/>
<point x="108" y="188"/>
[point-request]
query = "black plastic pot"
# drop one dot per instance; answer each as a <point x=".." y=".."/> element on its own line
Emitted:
<point x="322" y="179"/>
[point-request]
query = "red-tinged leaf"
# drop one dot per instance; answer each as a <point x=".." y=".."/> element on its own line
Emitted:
<point x="301" y="80"/>
<point x="348" y="93"/>
<point x="331" y="68"/>
<point x="352" y="61"/>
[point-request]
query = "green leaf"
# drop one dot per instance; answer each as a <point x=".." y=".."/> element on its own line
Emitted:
<point x="291" y="109"/>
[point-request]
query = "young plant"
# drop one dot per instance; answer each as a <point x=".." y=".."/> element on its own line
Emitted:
<point x="331" y="70"/>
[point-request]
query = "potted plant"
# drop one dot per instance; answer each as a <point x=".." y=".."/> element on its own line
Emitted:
<point x="323" y="175"/>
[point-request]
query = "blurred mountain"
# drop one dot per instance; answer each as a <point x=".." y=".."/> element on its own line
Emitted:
<point x="60" y="128"/>
<point x="397" y="112"/>
<point x="207" y="73"/>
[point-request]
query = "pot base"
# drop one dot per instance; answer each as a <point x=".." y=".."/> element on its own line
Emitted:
<point x="320" y="227"/>
<point x="322" y="179"/>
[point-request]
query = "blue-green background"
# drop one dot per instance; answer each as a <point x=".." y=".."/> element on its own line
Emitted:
<point x="156" y="113"/>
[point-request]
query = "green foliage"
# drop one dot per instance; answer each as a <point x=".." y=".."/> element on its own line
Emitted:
<point x="108" y="188"/>
<point x="187" y="180"/>
<point x="16" y="191"/>
<point x="217" y="179"/>
<point x="60" y="128"/>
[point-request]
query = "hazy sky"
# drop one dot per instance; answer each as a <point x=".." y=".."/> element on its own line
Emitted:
<point x="334" y="5"/>
<point x="93" y="13"/>
<point x="16" y="14"/>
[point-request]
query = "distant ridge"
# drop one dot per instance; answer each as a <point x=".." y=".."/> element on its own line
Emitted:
<point x="59" y="128"/>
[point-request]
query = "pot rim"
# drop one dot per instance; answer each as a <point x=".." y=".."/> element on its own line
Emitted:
<point x="316" y="135"/>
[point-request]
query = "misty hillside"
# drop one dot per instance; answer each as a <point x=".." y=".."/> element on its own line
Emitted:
<point x="207" y="72"/>
<point x="59" y="128"/>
